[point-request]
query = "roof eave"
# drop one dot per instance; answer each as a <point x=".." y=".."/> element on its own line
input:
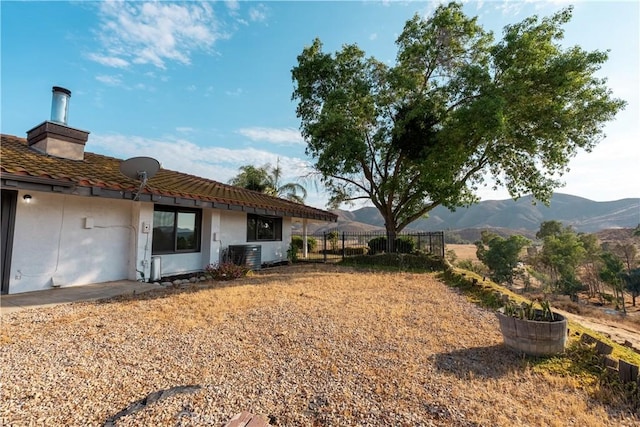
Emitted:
<point x="27" y="182"/>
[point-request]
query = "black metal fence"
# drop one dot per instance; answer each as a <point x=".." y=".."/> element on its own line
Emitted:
<point x="332" y="246"/>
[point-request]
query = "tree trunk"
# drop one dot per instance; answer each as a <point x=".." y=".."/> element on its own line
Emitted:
<point x="391" y="240"/>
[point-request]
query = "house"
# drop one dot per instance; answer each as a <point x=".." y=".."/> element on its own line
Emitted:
<point x="71" y="217"/>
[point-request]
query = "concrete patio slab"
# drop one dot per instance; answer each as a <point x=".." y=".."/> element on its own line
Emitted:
<point x="51" y="297"/>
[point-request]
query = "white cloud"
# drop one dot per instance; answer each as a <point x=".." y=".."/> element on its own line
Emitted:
<point x="233" y="5"/>
<point x="109" y="61"/>
<point x="180" y="154"/>
<point x="273" y="135"/>
<point x="510" y="7"/>
<point x="154" y="33"/>
<point x="373" y="36"/>
<point x="258" y="13"/>
<point x="235" y="92"/>
<point x="184" y="129"/>
<point x="109" y="80"/>
<point x="514" y="7"/>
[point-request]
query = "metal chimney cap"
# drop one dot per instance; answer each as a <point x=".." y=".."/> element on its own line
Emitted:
<point x="61" y="89"/>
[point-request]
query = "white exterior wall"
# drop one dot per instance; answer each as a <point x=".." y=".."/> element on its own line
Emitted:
<point x="233" y="231"/>
<point x="174" y="264"/>
<point x="142" y="218"/>
<point x="52" y="246"/>
<point x="70" y="240"/>
<point x="211" y="236"/>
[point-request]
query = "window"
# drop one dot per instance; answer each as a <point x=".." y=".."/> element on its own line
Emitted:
<point x="263" y="228"/>
<point x="175" y="230"/>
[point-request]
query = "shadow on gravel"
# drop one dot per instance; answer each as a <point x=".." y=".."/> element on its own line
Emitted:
<point x="485" y="362"/>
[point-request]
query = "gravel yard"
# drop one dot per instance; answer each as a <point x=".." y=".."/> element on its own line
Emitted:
<point x="310" y="345"/>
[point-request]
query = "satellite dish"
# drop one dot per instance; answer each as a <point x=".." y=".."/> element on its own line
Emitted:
<point x="141" y="169"/>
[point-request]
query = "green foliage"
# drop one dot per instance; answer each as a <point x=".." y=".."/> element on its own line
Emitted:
<point x="451" y="255"/>
<point x="334" y="240"/>
<point x="549" y="228"/>
<point x="454" y="239"/>
<point x="377" y="245"/>
<point x="413" y="262"/>
<point x="312" y="243"/>
<point x="403" y="245"/>
<point x="563" y="251"/>
<point x="251" y="178"/>
<point x="528" y="311"/>
<point x="612" y="272"/>
<point x="227" y="271"/>
<point x="501" y="255"/>
<point x="632" y="283"/>
<point x="292" y="253"/>
<point x="267" y="179"/>
<point x="467" y="264"/>
<point x="352" y="251"/>
<point x="612" y="269"/>
<point x="457" y="106"/>
<point x="569" y="286"/>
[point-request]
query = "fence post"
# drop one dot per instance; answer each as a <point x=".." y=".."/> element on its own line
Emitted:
<point x="324" y="246"/>
<point x="343" y="250"/>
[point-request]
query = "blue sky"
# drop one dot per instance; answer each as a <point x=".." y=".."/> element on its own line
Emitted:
<point x="205" y="87"/>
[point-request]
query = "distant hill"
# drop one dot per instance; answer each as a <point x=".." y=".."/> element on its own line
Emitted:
<point x="506" y="217"/>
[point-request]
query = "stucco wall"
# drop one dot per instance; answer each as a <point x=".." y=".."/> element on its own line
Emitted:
<point x="233" y="231"/>
<point x="52" y="245"/>
<point x="70" y="240"/>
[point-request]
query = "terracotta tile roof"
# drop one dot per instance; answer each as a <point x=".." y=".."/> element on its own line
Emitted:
<point x="19" y="162"/>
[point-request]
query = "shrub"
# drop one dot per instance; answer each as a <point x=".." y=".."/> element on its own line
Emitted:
<point x="292" y="253"/>
<point x="451" y="255"/>
<point x="377" y="245"/>
<point x="334" y="240"/>
<point x="476" y="267"/>
<point x="351" y="251"/>
<point x="312" y="243"/>
<point x="227" y="271"/>
<point x="418" y="261"/>
<point x="404" y="245"/>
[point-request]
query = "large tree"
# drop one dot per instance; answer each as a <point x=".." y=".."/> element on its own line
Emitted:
<point x="612" y="272"/>
<point x="501" y="255"/>
<point x="563" y="252"/>
<point x="455" y="107"/>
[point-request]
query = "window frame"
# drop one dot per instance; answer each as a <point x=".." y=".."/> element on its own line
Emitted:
<point x="177" y="210"/>
<point x="277" y="228"/>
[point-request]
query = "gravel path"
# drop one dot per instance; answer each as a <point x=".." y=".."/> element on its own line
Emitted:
<point x="302" y="346"/>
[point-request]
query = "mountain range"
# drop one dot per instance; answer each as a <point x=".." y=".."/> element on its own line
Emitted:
<point x="509" y="216"/>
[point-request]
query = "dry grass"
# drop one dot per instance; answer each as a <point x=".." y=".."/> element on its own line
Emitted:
<point x="464" y="252"/>
<point x="304" y="345"/>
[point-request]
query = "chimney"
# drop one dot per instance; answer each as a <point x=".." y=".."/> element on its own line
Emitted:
<point x="54" y="137"/>
<point x="60" y="105"/>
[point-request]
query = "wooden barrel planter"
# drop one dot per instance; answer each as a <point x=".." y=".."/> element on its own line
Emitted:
<point x="532" y="337"/>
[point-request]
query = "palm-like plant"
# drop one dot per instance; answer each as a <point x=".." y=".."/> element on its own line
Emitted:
<point x="267" y="179"/>
<point x="251" y="178"/>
